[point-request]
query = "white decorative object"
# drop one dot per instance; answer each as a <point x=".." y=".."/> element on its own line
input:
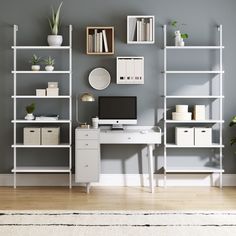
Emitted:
<point x="99" y="78"/>
<point x="52" y="84"/>
<point x="35" y="67"/>
<point x="182" y="116"/>
<point x="32" y="136"/>
<point x="49" y="68"/>
<point x="29" y="116"/>
<point x="203" y="136"/>
<point x="199" y="112"/>
<point x="55" y="40"/>
<point x="178" y="38"/>
<point x="95" y="121"/>
<point x="52" y="91"/>
<point x="40" y="92"/>
<point x="184" y="136"/>
<point x="50" y="135"/>
<point x="130" y="70"/>
<point x="182" y="42"/>
<point x="181" y="108"/>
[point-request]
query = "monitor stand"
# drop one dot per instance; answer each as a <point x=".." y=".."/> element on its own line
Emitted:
<point x="117" y="127"/>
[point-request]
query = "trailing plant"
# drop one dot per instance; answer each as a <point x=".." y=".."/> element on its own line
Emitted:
<point x="175" y="24"/>
<point x="49" y="61"/>
<point x="30" y="108"/>
<point x="54" y="22"/>
<point x="35" y="60"/>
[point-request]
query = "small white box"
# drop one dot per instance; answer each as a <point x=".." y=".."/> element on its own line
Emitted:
<point x="181" y="116"/>
<point x="184" y="136"/>
<point x="40" y="92"/>
<point x="199" y="112"/>
<point x="52" y="91"/>
<point x="32" y="136"/>
<point x="50" y="135"/>
<point x="52" y="84"/>
<point x="202" y="136"/>
<point x="181" y="108"/>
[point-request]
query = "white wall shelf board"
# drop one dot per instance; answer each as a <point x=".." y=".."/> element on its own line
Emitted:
<point x="214" y="145"/>
<point x="62" y="145"/>
<point x="42" y="169"/>
<point x="41" y="72"/>
<point x="40" y="121"/>
<point x="197" y="97"/>
<point x="45" y="97"/>
<point x="201" y="169"/>
<point x="194" y="47"/>
<point x="41" y="47"/>
<point x="193" y="72"/>
<point x="195" y="121"/>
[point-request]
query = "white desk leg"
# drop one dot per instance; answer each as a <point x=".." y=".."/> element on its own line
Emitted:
<point x="150" y="165"/>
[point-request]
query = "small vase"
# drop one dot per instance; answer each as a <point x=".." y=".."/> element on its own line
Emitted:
<point x="49" y="68"/>
<point x="178" y="38"/>
<point x="35" y="67"/>
<point x="29" y="116"/>
<point x="55" y="40"/>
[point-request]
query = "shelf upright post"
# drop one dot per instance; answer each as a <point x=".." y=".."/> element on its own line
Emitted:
<point x="221" y="104"/>
<point x="165" y="111"/>
<point x="70" y="104"/>
<point x="15" y="29"/>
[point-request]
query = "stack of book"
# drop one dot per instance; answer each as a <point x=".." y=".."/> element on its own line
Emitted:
<point x="47" y="118"/>
<point x="97" y="42"/>
<point x="144" y="29"/>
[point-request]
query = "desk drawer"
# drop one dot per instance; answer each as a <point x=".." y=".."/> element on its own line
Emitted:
<point x="87" y="144"/>
<point x="87" y="134"/>
<point x="129" y="138"/>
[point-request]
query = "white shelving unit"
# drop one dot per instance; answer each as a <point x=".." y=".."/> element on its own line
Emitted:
<point x="41" y="169"/>
<point x="220" y="72"/>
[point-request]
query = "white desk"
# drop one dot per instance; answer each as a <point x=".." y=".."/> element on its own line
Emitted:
<point x="88" y="141"/>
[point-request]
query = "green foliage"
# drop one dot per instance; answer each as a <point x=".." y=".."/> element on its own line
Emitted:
<point x="184" y="36"/>
<point x="35" y="60"/>
<point x="232" y="123"/>
<point x="30" y="108"/>
<point x="49" y="61"/>
<point x="54" y="22"/>
<point x="175" y="24"/>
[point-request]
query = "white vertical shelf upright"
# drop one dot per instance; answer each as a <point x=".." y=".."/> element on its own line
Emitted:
<point x="219" y="146"/>
<point x="41" y="169"/>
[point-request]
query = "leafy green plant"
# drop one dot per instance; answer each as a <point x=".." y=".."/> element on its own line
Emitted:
<point x="49" y="61"/>
<point x="54" y="22"/>
<point x="232" y="123"/>
<point x="175" y="24"/>
<point x="35" y="60"/>
<point x="30" y="108"/>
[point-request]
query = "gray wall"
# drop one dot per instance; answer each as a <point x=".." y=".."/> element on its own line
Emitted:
<point x="200" y="16"/>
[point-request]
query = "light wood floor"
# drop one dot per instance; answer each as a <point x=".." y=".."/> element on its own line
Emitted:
<point x="117" y="198"/>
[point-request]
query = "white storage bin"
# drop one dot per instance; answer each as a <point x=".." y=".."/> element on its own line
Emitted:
<point x="199" y="112"/>
<point x="40" y="92"/>
<point x="50" y="135"/>
<point x="52" y="91"/>
<point x="181" y="116"/>
<point x="184" y="136"/>
<point x="181" y="108"/>
<point x="203" y="136"/>
<point x="52" y="84"/>
<point x="32" y="136"/>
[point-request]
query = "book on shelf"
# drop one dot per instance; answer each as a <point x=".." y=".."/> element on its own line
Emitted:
<point x="144" y="30"/>
<point x="105" y="40"/>
<point x="97" y="42"/>
<point x="47" y="118"/>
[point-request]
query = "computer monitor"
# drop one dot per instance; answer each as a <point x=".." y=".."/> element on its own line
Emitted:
<point x="117" y="111"/>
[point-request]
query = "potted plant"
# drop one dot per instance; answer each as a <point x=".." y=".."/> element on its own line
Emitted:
<point x="30" y="109"/>
<point x="35" y="63"/>
<point x="179" y="37"/>
<point x="54" y="39"/>
<point x="49" y="62"/>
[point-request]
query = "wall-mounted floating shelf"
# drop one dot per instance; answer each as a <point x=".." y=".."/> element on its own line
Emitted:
<point x="140" y="29"/>
<point x="100" y="40"/>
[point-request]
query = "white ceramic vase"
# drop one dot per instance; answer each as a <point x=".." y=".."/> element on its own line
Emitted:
<point x="29" y="116"/>
<point x="55" y="40"/>
<point x="178" y="38"/>
<point x="35" y="67"/>
<point x="49" y="68"/>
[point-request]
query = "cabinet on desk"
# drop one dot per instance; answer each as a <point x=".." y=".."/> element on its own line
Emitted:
<point x="87" y="155"/>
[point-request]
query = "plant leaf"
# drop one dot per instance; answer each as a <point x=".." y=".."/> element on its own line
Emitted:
<point x="174" y="23"/>
<point x="184" y="36"/>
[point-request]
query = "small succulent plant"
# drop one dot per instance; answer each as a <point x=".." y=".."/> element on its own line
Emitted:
<point x="30" y="108"/>
<point x="49" y="61"/>
<point x="35" y="60"/>
<point x="54" y="22"/>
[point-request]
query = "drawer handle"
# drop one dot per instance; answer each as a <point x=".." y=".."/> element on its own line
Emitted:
<point x="86" y="166"/>
<point x="129" y="137"/>
<point x="86" y="135"/>
<point x="86" y="144"/>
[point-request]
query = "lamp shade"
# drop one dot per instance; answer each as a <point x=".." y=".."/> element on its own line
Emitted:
<point x="87" y="97"/>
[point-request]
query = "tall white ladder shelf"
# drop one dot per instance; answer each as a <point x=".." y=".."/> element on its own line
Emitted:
<point x="41" y="169"/>
<point x="219" y="145"/>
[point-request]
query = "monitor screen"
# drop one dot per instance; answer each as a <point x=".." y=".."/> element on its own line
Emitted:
<point x="117" y="108"/>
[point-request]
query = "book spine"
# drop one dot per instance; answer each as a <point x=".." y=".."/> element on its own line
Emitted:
<point x="105" y="40"/>
<point x="142" y="30"/>
<point x="148" y="31"/>
<point x="100" y="42"/>
<point x="95" y="40"/>
<point x="151" y="29"/>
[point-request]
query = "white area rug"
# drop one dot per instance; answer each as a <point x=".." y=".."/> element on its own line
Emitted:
<point x="112" y="223"/>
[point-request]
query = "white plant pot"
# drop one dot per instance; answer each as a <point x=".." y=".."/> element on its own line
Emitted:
<point x="55" y="40"/>
<point x="49" y="68"/>
<point x="35" y="67"/>
<point x="29" y="116"/>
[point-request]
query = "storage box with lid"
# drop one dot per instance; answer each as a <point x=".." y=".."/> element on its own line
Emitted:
<point x="199" y="112"/>
<point x="50" y="135"/>
<point x="202" y="136"/>
<point x="184" y="136"/>
<point x="32" y="136"/>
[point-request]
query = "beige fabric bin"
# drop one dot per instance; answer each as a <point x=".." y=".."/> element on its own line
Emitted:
<point x="32" y="136"/>
<point x="50" y="135"/>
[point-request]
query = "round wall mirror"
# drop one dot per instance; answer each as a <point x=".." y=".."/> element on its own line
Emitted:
<point x="99" y="78"/>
